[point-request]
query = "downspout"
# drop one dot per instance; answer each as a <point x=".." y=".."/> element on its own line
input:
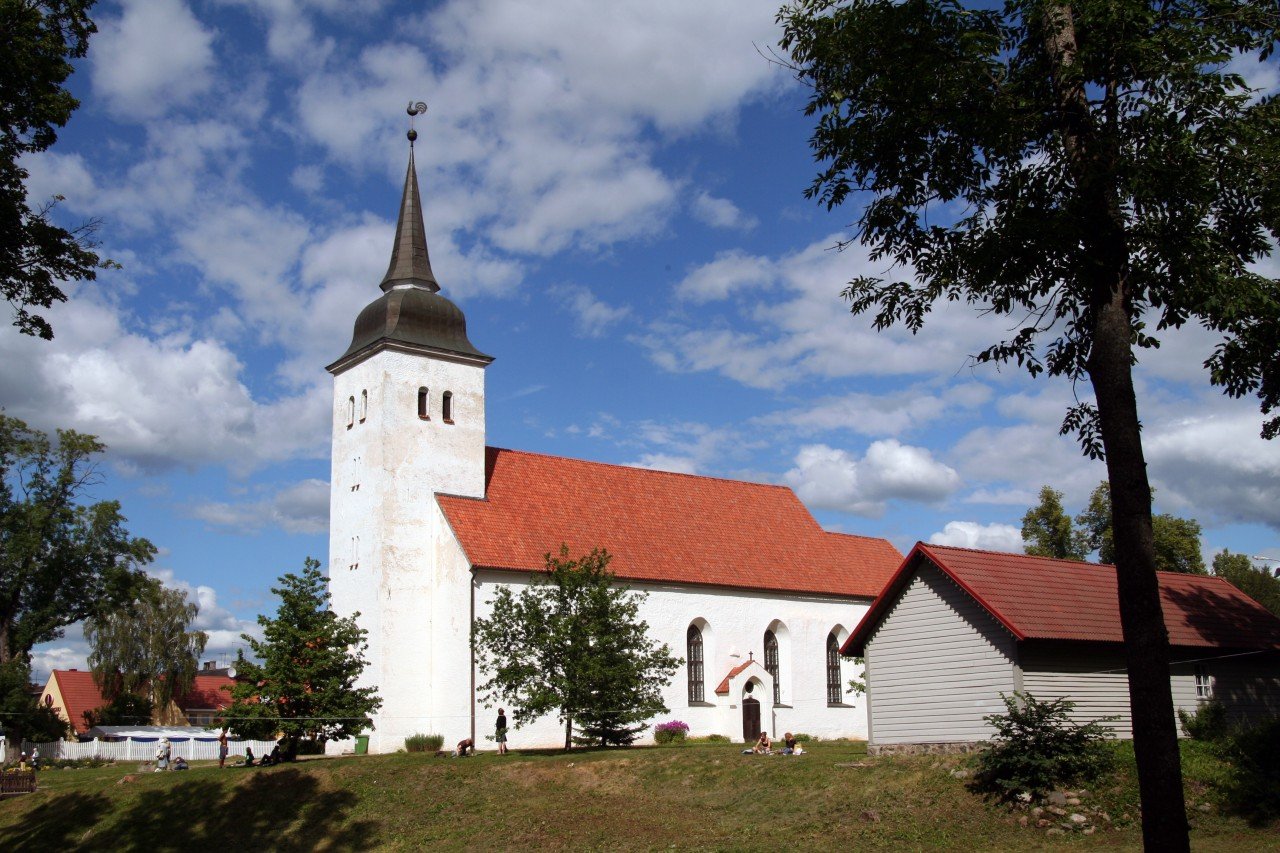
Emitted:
<point x="471" y="647"/>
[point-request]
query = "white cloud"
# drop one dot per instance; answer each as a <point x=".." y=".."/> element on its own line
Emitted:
<point x="831" y="478"/>
<point x="886" y="414"/>
<point x="985" y="537"/>
<point x="156" y="55"/>
<point x="300" y="508"/>
<point x="157" y="401"/>
<point x="721" y="213"/>
<point x="593" y="316"/>
<point x="729" y="273"/>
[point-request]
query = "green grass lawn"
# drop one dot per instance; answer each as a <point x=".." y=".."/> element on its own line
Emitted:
<point x="695" y="796"/>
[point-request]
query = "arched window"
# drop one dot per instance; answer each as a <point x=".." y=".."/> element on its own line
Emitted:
<point x="423" y="411"/>
<point x="364" y="405"/>
<point x="446" y="407"/>
<point x="694" y="658"/>
<point x="771" y="665"/>
<point x="835" y="691"/>
<point x="351" y="412"/>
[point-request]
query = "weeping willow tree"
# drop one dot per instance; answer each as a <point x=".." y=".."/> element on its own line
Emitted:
<point x="147" y="649"/>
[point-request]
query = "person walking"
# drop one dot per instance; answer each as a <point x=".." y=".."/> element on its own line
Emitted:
<point x="500" y="731"/>
<point x="222" y="748"/>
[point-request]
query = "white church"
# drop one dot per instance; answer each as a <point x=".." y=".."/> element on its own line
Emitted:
<point x="427" y="523"/>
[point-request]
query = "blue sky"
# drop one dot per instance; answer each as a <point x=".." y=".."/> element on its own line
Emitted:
<point x="613" y="195"/>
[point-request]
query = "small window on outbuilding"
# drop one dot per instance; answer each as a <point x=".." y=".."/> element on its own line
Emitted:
<point x="446" y="407"/>
<point x="694" y="658"/>
<point x="1204" y="683"/>
<point x="835" y="691"/>
<point x="423" y="410"/>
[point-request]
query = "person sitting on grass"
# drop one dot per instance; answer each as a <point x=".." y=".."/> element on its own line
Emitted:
<point x="248" y="756"/>
<point x="763" y="746"/>
<point x="180" y="763"/>
<point x="465" y="746"/>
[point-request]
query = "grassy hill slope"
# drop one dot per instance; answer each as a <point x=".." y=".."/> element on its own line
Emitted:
<point x="703" y="796"/>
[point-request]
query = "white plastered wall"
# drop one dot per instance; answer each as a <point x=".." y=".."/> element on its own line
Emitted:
<point x="385" y="537"/>
<point x="736" y="621"/>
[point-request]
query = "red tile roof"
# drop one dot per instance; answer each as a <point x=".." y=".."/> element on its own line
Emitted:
<point x="1038" y="598"/>
<point x="659" y="526"/>
<point x="723" y="687"/>
<point x="208" y="691"/>
<point x="79" y="694"/>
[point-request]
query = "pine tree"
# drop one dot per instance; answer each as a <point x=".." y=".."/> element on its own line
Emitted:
<point x="304" y="688"/>
<point x="572" y="643"/>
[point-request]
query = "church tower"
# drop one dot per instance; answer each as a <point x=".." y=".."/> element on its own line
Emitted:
<point x="408" y="422"/>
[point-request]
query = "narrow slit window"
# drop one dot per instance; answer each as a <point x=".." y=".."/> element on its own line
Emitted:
<point x="351" y="412"/>
<point x="364" y="405"/>
<point x="771" y="664"/>
<point x="835" y="695"/>
<point x="422" y="405"/>
<point x="446" y="407"/>
<point x="694" y="638"/>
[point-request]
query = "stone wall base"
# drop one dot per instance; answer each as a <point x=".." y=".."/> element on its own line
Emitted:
<point x="949" y="748"/>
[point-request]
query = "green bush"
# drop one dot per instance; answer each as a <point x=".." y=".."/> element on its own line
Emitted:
<point x="1254" y="790"/>
<point x="1038" y="747"/>
<point x="709" y="739"/>
<point x="1208" y="722"/>
<point x="423" y="743"/>
<point x="309" y="746"/>
<point x="801" y="737"/>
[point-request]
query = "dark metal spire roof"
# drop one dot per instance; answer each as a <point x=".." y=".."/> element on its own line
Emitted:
<point x="409" y="261"/>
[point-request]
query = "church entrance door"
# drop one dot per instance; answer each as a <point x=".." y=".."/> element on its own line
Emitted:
<point x="750" y="719"/>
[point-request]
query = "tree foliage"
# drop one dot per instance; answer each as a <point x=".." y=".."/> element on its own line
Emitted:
<point x="1090" y="172"/>
<point x="311" y="658"/>
<point x="1177" y="540"/>
<point x="1257" y="583"/>
<point x="60" y="560"/>
<point x="147" y="648"/>
<point x="124" y="709"/>
<point x="38" y="41"/>
<point x="1048" y="532"/>
<point x="21" y="716"/>
<point x="572" y="643"/>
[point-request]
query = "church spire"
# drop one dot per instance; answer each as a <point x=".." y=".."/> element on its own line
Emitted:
<point x="409" y="261"/>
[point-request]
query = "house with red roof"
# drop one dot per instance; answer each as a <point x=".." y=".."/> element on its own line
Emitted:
<point x="72" y="692"/>
<point x="427" y="523"/>
<point x="955" y="628"/>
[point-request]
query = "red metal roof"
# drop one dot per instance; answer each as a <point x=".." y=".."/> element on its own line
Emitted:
<point x="79" y="694"/>
<point x="660" y="526"/>
<point x="1038" y="598"/>
<point x="208" y="691"/>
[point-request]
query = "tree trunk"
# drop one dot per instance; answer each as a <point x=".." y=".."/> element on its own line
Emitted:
<point x="568" y="733"/>
<point x="1146" y="640"/>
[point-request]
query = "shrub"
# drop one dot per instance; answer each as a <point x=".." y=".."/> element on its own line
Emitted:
<point x="1038" y="747"/>
<point x="1208" y="722"/>
<point x="801" y="737"/>
<point x="709" y="739"/>
<point x="672" y="731"/>
<point x="1254" y="790"/>
<point x="423" y="743"/>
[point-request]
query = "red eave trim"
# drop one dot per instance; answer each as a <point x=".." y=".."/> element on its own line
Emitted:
<point x="1009" y="626"/>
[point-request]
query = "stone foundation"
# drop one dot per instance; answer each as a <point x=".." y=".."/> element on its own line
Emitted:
<point x="949" y="748"/>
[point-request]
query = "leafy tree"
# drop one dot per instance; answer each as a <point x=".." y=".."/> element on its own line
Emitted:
<point x="1047" y="530"/>
<point x="60" y="561"/>
<point x="572" y="643"/>
<point x="126" y="709"/>
<point x="147" y="647"/>
<point x="311" y="659"/>
<point x="38" y="40"/>
<point x="1177" y="540"/>
<point x="21" y="716"/>
<point x="1090" y="171"/>
<point x="1259" y="584"/>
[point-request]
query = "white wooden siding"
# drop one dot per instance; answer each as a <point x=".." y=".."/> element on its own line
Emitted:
<point x="1248" y="685"/>
<point x="1095" y="681"/>
<point x="938" y="665"/>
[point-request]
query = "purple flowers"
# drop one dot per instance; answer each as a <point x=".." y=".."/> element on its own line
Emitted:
<point x="672" y="731"/>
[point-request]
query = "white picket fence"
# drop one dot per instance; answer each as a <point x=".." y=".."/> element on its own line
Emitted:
<point x="145" y="750"/>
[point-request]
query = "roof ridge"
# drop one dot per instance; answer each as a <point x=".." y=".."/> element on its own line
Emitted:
<point x="1084" y="563"/>
<point x="647" y="470"/>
